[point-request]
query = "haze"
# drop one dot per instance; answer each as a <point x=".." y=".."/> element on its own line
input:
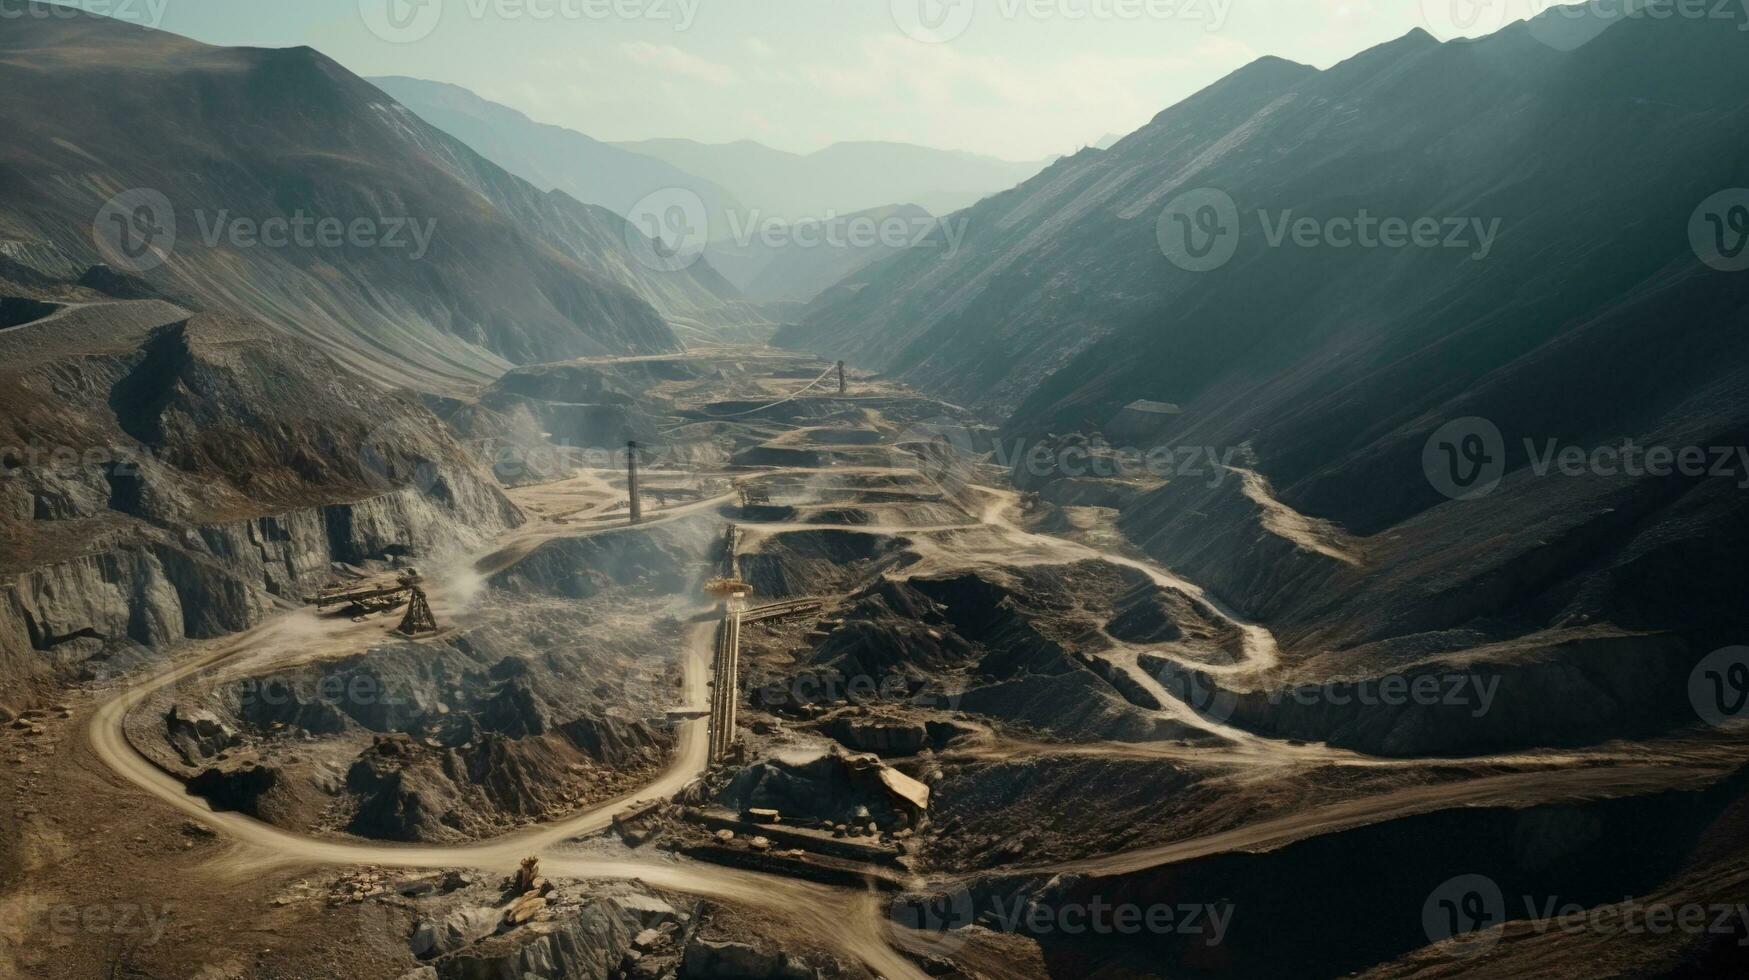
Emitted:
<point x="1024" y="79"/>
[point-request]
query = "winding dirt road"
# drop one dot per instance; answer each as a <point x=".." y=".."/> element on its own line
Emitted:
<point x="855" y="922"/>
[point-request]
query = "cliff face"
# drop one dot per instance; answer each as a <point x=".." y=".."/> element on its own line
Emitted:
<point x="172" y="476"/>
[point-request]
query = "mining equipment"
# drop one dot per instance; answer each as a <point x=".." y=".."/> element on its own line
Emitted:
<point x="725" y="687"/>
<point x="636" y="506"/>
<point x="373" y="599"/>
<point x="418" y="619"/>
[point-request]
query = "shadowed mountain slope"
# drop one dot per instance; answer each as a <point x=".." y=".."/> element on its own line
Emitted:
<point x="489" y="271"/>
<point x="1584" y="319"/>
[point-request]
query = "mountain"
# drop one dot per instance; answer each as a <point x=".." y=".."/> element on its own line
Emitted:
<point x="792" y="264"/>
<point x="549" y="157"/>
<point x="437" y="267"/>
<point x="787" y="270"/>
<point x="842" y="178"/>
<point x="1585" y="318"/>
<point x="178" y="475"/>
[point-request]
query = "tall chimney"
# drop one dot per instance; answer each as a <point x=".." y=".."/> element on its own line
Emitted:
<point x="841" y="377"/>
<point x="632" y="481"/>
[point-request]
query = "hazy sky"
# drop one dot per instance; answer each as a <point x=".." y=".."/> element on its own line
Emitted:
<point x="1014" y="78"/>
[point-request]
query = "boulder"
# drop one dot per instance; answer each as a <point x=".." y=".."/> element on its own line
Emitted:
<point x="197" y="733"/>
<point x="707" y="959"/>
<point x="882" y="737"/>
<point x="649" y="939"/>
<point x="524" y="909"/>
<point x="455" y="931"/>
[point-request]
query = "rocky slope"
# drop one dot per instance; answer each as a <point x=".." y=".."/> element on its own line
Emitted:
<point x="1589" y="320"/>
<point x="173" y="475"/>
<point x="460" y="268"/>
<point x="697" y="301"/>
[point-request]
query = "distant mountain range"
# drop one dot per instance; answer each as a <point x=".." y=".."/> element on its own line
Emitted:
<point x="747" y="190"/>
<point x="793" y="264"/>
<point x="549" y="157"/>
<point x="226" y="144"/>
<point x="1562" y="297"/>
<point x="842" y="178"/>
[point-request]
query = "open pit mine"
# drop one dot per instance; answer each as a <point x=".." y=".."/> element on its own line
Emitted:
<point x="1047" y="593"/>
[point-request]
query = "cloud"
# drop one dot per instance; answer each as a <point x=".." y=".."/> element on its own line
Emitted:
<point x="675" y="62"/>
<point x="947" y="96"/>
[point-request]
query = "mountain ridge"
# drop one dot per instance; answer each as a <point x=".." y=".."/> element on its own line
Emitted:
<point x="514" y="274"/>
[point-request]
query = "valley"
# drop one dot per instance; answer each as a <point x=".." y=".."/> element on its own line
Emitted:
<point x="956" y="644"/>
<point x="440" y="544"/>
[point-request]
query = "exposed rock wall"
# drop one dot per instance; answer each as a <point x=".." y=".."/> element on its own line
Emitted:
<point x="220" y="578"/>
<point x="169" y="476"/>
